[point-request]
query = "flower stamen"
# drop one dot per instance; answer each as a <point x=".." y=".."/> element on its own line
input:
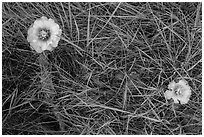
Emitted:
<point x="44" y="34"/>
<point x="178" y="90"/>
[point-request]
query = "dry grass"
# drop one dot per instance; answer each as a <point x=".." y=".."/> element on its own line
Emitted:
<point x="110" y="70"/>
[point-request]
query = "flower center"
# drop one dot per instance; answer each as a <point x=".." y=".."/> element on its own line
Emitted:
<point x="178" y="90"/>
<point x="44" y="34"/>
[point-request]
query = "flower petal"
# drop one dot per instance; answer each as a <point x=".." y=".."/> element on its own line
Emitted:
<point x="36" y="46"/>
<point x="168" y="94"/>
<point x="44" y="18"/>
<point x="55" y="40"/>
<point x="183" y="100"/>
<point x="31" y="35"/>
<point x="54" y="29"/>
<point x="176" y="100"/>
<point x="171" y="85"/>
<point x="186" y="88"/>
<point x="182" y="82"/>
<point x="187" y="93"/>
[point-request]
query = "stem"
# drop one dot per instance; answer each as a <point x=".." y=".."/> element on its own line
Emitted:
<point x="47" y="86"/>
<point x="46" y="79"/>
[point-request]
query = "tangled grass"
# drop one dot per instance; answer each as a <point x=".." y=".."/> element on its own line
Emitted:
<point x="109" y="71"/>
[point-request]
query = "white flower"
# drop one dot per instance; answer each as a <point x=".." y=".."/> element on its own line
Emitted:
<point x="44" y="34"/>
<point x="179" y="92"/>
